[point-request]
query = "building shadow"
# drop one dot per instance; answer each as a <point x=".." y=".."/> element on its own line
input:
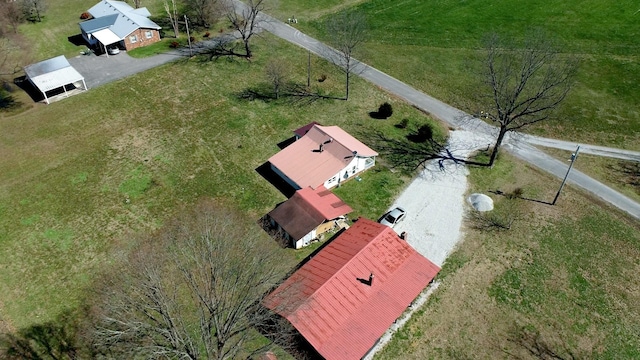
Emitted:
<point x="285" y="143"/>
<point x="27" y="86"/>
<point x="278" y="182"/>
<point x="77" y="40"/>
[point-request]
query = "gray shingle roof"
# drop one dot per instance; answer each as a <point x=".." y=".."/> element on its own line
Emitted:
<point x="119" y="17"/>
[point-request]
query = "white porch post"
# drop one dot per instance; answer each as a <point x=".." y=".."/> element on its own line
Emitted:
<point x="45" y="97"/>
<point x="105" y="49"/>
<point x="84" y="84"/>
<point x="64" y="87"/>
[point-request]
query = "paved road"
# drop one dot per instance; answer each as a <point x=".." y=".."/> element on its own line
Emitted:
<point x="518" y="144"/>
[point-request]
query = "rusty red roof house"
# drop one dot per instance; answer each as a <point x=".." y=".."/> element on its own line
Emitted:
<point x="308" y="214"/>
<point x="345" y="298"/>
<point x="322" y="156"/>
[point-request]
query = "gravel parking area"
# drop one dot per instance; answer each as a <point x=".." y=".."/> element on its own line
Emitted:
<point x="435" y="202"/>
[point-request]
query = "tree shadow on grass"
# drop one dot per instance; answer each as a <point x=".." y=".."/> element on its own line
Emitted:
<point x="627" y="172"/>
<point x="52" y="340"/>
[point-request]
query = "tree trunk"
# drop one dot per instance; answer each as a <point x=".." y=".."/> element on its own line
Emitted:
<point x="247" y="49"/>
<point x="347" y="87"/>
<point x="494" y="153"/>
<point x="309" y="71"/>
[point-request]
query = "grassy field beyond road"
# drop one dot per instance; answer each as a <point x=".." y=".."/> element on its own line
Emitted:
<point x="563" y="280"/>
<point x="431" y="45"/>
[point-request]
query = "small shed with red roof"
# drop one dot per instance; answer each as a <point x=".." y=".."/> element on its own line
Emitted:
<point x="322" y="156"/>
<point x="345" y="298"/>
<point x="308" y="214"/>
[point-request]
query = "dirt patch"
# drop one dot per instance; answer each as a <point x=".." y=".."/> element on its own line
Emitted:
<point x="139" y="145"/>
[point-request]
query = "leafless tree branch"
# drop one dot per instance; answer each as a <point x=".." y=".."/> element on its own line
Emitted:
<point x="192" y="293"/>
<point x="525" y="84"/>
<point x="347" y="31"/>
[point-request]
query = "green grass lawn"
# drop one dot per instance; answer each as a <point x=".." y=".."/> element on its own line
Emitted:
<point x="80" y="177"/>
<point x="431" y="46"/>
<point x="50" y="37"/>
<point x="561" y="281"/>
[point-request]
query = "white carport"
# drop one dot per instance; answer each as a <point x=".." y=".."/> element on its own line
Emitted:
<point x="53" y="74"/>
<point x="106" y="37"/>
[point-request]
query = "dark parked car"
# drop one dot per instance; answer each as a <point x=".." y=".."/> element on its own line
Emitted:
<point x="393" y="217"/>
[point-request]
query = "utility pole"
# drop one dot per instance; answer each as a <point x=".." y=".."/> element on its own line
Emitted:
<point x="186" y="21"/>
<point x="574" y="156"/>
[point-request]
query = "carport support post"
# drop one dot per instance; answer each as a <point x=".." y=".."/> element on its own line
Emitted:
<point x="574" y="156"/>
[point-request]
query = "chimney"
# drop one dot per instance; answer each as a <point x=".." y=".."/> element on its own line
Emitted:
<point x="370" y="279"/>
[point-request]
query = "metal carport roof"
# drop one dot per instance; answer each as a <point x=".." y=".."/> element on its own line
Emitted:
<point x="52" y="74"/>
<point x="106" y="37"/>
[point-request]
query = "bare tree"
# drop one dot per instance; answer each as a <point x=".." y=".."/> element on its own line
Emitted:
<point x="524" y="85"/>
<point x="34" y="9"/>
<point x="276" y="72"/>
<point x="172" y="12"/>
<point x="244" y="20"/>
<point x="137" y="4"/>
<point x="13" y="54"/>
<point x="194" y="292"/>
<point x="11" y="14"/>
<point x="205" y="12"/>
<point x="346" y="31"/>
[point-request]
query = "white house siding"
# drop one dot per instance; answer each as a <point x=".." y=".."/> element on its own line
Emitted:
<point x="357" y="165"/>
<point x="306" y="240"/>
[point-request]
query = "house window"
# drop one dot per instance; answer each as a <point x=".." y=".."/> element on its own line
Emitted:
<point x="353" y="170"/>
<point x="369" y="163"/>
<point x="148" y="34"/>
<point x="133" y="39"/>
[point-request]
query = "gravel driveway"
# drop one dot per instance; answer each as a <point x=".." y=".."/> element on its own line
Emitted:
<point x="99" y="70"/>
<point x="434" y="201"/>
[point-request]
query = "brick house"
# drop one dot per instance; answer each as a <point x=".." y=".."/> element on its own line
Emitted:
<point x="117" y="24"/>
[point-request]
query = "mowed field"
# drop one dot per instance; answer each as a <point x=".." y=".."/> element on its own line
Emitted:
<point x="81" y="177"/>
<point x="436" y="45"/>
